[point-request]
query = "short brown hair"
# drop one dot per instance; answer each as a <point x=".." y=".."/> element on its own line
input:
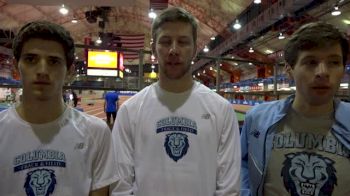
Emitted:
<point x="174" y="14"/>
<point x="313" y="35"/>
<point x="47" y="31"/>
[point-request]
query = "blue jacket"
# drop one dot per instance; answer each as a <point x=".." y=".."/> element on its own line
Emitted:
<point x="257" y="137"/>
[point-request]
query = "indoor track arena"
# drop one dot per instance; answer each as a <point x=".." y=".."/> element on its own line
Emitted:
<point x="174" y="97"/>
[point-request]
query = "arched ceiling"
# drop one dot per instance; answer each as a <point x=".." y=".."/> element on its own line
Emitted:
<point x="213" y="16"/>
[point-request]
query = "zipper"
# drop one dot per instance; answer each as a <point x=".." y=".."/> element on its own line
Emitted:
<point x="263" y="172"/>
<point x="254" y="162"/>
<point x="264" y="160"/>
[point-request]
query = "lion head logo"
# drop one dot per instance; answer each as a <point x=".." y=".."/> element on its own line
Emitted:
<point x="40" y="182"/>
<point x="308" y="174"/>
<point x="176" y="145"/>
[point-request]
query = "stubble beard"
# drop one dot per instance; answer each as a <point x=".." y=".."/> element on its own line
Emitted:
<point x="168" y="73"/>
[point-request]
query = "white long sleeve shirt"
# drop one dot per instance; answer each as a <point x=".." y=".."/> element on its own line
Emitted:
<point x="70" y="156"/>
<point x="177" y="144"/>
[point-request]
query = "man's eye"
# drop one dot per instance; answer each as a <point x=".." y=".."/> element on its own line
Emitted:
<point x="183" y="42"/>
<point x="311" y="62"/>
<point x="54" y="61"/>
<point x="335" y="63"/>
<point x="165" y="42"/>
<point x="29" y="59"/>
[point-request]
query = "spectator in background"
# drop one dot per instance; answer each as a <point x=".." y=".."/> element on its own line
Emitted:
<point x="300" y="145"/>
<point x="111" y="106"/>
<point x="75" y="99"/>
<point x="46" y="147"/>
<point x="176" y="136"/>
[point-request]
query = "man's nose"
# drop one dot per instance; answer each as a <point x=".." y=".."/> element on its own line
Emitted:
<point x="42" y="71"/>
<point x="173" y="49"/>
<point x="322" y="70"/>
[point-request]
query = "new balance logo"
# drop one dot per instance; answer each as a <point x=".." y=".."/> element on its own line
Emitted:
<point x="79" y="146"/>
<point x="255" y="133"/>
<point x="205" y="116"/>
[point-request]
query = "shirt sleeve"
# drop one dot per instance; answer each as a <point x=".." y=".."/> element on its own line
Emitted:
<point x="229" y="156"/>
<point x="245" y="187"/>
<point x="124" y="149"/>
<point x="104" y="163"/>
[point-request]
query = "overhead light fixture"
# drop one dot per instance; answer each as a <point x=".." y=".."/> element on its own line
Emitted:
<point x="346" y="21"/>
<point x="153" y="57"/>
<point x="281" y="36"/>
<point x="212" y="38"/>
<point x="220" y="64"/>
<point x="192" y="62"/>
<point x="336" y="11"/>
<point x="206" y="49"/>
<point x="237" y="25"/>
<point x="63" y="10"/>
<point x="152" y="66"/>
<point x="250" y="63"/>
<point x="198" y="74"/>
<point x="257" y="1"/>
<point x="98" y="41"/>
<point x="153" y="74"/>
<point x="152" y="14"/>
<point x="204" y="71"/>
<point x="268" y="51"/>
<point x="211" y="68"/>
<point x="74" y="20"/>
<point x="251" y="50"/>
<point x="235" y="64"/>
<point x="194" y="76"/>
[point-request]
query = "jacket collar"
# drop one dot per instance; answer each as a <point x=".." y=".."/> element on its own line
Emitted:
<point x="341" y="125"/>
<point x="283" y="108"/>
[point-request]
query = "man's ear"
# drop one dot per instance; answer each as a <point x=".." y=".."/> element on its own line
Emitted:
<point x="194" y="52"/>
<point x="289" y="71"/>
<point x="70" y="74"/>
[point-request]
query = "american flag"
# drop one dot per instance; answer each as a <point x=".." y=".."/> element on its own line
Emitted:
<point x="158" y="4"/>
<point x="134" y="42"/>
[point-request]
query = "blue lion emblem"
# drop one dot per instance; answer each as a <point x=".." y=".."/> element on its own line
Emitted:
<point x="308" y="174"/>
<point x="40" y="182"/>
<point x="176" y="145"/>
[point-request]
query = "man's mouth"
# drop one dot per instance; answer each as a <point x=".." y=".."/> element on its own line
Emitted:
<point x="41" y="83"/>
<point x="320" y="88"/>
<point x="173" y="63"/>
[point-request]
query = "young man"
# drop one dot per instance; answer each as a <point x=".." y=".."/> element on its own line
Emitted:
<point x="111" y="106"/>
<point x="177" y="137"/>
<point x="300" y="145"/>
<point x="75" y="99"/>
<point x="46" y="147"/>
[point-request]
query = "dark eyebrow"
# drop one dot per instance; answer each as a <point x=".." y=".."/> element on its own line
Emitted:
<point x="306" y="58"/>
<point x="29" y="54"/>
<point x="51" y="57"/>
<point x="164" y="37"/>
<point x="330" y="56"/>
<point x="335" y="56"/>
<point x="184" y="36"/>
<point x="55" y="57"/>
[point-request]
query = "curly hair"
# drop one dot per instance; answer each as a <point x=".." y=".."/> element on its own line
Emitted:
<point x="47" y="31"/>
<point x="313" y="35"/>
